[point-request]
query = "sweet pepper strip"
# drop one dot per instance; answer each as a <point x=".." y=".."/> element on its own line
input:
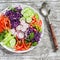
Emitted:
<point x="23" y="45"/>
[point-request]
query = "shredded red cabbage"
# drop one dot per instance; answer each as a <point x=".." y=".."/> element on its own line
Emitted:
<point x="37" y="34"/>
<point x="14" y="16"/>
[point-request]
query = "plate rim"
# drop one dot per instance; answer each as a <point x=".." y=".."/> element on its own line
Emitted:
<point x="11" y="50"/>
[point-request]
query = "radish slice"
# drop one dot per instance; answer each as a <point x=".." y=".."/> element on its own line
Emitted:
<point x="12" y="31"/>
<point x="19" y="27"/>
<point x="22" y="22"/>
<point x="20" y="35"/>
<point x="26" y="33"/>
<point x="26" y="25"/>
<point x="23" y="29"/>
<point x="15" y="34"/>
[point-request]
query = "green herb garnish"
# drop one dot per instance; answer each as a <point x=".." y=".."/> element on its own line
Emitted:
<point x="34" y="43"/>
<point x="30" y="37"/>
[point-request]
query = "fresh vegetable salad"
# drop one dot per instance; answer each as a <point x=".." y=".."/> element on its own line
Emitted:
<point x="20" y="28"/>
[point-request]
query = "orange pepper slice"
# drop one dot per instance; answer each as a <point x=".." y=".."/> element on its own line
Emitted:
<point x="23" y="45"/>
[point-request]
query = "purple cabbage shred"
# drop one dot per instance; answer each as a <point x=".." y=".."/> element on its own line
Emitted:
<point x="37" y="35"/>
<point x="14" y="16"/>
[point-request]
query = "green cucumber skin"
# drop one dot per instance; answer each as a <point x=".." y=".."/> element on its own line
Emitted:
<point x="12" y="44"/>
<point x="25" y="10"/>
<point x="28" y="13"/>
<point x="7" y="43"/>
<point x="28" y="20"/>
<point x="7" y="40"/>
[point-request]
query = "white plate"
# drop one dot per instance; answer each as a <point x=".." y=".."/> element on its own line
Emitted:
<point x="23" y="6"/>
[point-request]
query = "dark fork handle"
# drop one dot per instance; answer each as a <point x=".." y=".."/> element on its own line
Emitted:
<point x="53" y="37"/>
<point x="52" y="34"/>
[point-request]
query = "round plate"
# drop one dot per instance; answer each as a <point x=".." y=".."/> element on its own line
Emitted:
<point x="23" y="6"/>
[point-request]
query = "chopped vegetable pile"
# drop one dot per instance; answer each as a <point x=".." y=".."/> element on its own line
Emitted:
<point x="20" y="28"/>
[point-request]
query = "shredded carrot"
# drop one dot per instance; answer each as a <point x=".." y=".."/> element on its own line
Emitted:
<point x="4" y="23"/>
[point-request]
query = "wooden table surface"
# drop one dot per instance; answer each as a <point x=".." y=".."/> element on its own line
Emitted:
<point x="44" y="51"/>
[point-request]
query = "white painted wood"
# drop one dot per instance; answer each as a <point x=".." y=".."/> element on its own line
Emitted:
<point x="44" y="51"/>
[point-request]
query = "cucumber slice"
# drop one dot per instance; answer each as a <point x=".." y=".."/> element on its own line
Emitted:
<point x="8" y="44"/>
<point x="6" y="40"/>
<point x="22" y="18"/>
<point x="8" y="34"/>
<point x="28" y="20"/>
<point x="26" y="15"/>
<point x="25" y="10"/>
<point x="30" y="13"/>
<point x="12" y="43"/>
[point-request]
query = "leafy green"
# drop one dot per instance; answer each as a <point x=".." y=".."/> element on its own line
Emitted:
<point x="31" y="36"/>
<point x="2" y="35"/>
<point x="34" y="43"/>
<point x="12" y="8"/>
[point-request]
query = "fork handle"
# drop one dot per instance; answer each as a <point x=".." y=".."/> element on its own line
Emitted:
<point x="53" y="37"/>
<point x="52" y="33"/>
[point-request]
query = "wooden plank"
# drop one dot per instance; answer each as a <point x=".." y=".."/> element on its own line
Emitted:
<point x="44" y="50"/>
